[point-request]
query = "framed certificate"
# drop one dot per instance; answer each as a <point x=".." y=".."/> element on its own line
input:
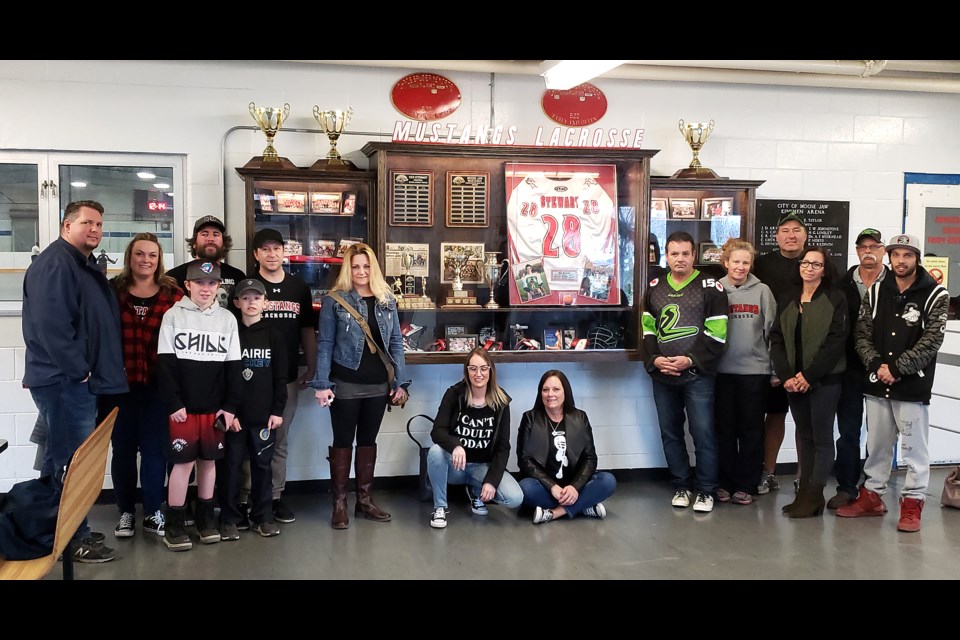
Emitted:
<point x="411" y="198"/>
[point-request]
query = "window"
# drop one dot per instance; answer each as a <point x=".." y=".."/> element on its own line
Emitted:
<point x="138" y="192"/>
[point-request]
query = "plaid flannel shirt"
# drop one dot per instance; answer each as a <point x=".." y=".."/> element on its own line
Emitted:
<point x="140" y="334"/>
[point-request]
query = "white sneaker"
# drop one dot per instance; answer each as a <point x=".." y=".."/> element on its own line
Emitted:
<point x="681" y="498"/>
<point x="596" y="511"/>
<point x="541" y="515"/>
<point x="438" y="519"/>
<point x="703" y="503"/>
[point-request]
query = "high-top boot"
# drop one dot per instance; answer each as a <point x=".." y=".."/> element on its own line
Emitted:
<point x="809" y="503"/>
<point x="207" y="522"/>
<point x="174" y="534"/>
<point x="363" y="465"/>
<point x="339" y="458"/>
<point x="787" y="508"/>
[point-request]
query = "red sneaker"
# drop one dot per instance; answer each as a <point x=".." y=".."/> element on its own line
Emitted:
<point x="868" y="503"/>
<point x="910" y="509"/>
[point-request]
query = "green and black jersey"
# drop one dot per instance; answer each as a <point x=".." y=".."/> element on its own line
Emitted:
<point x="689" y="319"/>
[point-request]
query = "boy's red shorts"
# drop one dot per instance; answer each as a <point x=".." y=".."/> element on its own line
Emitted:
<point x="195" y="438"/>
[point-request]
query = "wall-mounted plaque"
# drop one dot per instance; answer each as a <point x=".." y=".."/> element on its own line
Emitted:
<point x="411" y="198"/>
<point x="468" y="198"/>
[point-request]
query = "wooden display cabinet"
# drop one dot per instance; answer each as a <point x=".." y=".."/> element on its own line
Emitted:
<point x="316" y="212"/>
<point x="433" y="196"/>
<point x="710" y="210"/>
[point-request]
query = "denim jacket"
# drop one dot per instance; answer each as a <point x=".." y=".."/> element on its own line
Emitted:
<point x="341" y="339"/>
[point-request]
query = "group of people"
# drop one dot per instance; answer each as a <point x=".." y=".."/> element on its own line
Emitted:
<point x="788" y="328"/>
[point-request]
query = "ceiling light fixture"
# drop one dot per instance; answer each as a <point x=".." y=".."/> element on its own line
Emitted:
<point x="161" y="185"/>
<point x="78" y="184"/>
<point x="566" y="74"/>
<point x="146" y="175"/>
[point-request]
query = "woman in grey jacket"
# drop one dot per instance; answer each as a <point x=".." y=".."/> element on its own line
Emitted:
<point x="744" y="373"/>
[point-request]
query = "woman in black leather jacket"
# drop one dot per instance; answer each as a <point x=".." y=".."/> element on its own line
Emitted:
<point x="557" y="458"/>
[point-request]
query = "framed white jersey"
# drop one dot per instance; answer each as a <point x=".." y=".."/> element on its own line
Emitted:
<point x="562" y="225"/>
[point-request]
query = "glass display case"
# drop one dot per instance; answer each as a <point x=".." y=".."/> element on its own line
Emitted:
<point x="710" y="210"/>
<point x="319" y="214"/>
<point x="526" y="251"/>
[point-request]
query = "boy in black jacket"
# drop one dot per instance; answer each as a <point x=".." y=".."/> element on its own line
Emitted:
<point x="264" y="372"/>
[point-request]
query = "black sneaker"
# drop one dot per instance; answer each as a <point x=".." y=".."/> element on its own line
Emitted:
<point x="92" y="552"/>
<point x="266" y="529"/>
<point x="174" y="534"/>
<point x="244" y="524"/>
<point x="229" y="531"/>
<point x="125" y="526"/>
<point x="281" y="513"/>
<point x="154" y="523"/>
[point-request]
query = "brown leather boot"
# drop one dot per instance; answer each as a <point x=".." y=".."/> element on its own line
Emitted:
<point x="339" y="477"/>
<point x="809" y="502"/>
<point x="363" y="465"/>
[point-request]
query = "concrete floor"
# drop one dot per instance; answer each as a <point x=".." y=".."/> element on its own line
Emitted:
<point x="643" y="537"/>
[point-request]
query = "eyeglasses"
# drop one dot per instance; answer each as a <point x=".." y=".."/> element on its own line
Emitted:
<point x="870" y="247"/>
<point x="806" y="264"/>
<point x="475" y="369"/>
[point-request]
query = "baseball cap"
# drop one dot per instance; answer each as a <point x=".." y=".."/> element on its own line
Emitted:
<point x="904" y="241"/>
<point x="249" y="285"/>
<point x="265" y="235"/>
<point x="791" y="217"/>
<point x="209" y="220"/>
<point x="200" y="270"/>
<point x="869" y="232"/>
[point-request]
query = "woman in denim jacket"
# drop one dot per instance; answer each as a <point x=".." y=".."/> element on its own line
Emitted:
<point x="348" y="372"/>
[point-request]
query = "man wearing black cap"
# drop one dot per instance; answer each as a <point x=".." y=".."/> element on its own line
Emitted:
<point x="855" y="284"/>
<point x="289" y="308"/>
<point x="898" y="334"/>
<point x="211" y="244"/>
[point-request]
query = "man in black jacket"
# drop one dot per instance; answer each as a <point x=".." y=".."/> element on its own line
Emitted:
<point x="855" y="284"/>
<point x="898" y="334"/>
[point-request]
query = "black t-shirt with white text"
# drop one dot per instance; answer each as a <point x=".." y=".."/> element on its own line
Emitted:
<point x="474" y="428"/>
<point x="289" y="308"/>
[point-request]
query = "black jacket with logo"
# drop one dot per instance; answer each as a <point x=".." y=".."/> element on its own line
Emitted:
<point x="263" y="362"/>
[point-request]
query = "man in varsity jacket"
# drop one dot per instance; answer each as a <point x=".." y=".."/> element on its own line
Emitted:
<point x="899" y="331"/>
<point x="684" y="332"/>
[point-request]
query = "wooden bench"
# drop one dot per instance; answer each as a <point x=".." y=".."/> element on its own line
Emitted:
<point x="81" y="487"/>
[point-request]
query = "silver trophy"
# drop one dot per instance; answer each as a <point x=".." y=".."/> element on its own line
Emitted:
<point x="492" y="272"/>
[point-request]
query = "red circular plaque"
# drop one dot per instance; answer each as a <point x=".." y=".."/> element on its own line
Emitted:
<point x="425" y="96"/>
<point x="577" y="107"/>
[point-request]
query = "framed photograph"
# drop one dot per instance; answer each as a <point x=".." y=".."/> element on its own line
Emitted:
<point x="265" y="198"/>
<point x="463" y="343"/>
<point x="323" y="248"/>
<point x="553" y="339"/>
<point x="344" y="243"/>
<point x="487" y="333"/>
<point x="454" y="330"/>
<point x="324" y="203"/>
<point x="349" y="204"/>
<point x="683" y="208"/>
<point x="709" y="253"/>
<point x="569" y="338"/>
<point x="716" y="207"/>
<point x="291" y="202"/>
<point x="658" y="208"/>
<point x="472" y="272"/>
<point x="531" y="281"/>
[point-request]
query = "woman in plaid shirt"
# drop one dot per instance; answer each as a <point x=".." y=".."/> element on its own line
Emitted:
<point x="144" y="294"/>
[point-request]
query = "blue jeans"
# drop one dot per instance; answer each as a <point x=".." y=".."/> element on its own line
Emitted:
<point x="849" y="466"/>
<point x="598" y="488"/>
<point x="70" y="411"/>
<point x="693" y="402"/>
<point x="141" y="427"/>
<point x="442" y="473"/>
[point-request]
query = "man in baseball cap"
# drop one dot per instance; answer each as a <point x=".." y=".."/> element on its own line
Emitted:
<point x="209" y="220"/>
<point x="904" y="241"/>
<point x="871" y="233"/>
<point x="210" y="243"/>
<point x="791" y="216"/>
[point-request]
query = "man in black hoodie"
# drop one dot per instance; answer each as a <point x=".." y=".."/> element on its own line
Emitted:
<point x="899" y="331"/>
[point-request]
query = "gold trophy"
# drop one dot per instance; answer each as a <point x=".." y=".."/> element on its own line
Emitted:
<point x="269" y="119"/>
<point x="696" y="134"/>
<point x="491" y="274"/>
<point x="463" y="298"/>
<point x="333" y="122"/>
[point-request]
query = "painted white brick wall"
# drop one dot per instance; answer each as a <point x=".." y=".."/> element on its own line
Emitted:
<point x="809" y="143"/>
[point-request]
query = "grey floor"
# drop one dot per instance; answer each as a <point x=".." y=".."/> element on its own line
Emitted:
<point x="643" y="537"/>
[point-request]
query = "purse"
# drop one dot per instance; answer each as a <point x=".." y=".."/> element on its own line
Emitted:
<point x="424" y="488"/>
<point x="951" y="490"/>
<point x="371" y="343"/>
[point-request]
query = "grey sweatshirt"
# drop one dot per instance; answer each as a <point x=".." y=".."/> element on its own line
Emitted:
<point x="751" y="312"/>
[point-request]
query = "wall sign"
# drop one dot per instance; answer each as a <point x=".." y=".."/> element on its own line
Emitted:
<point x="577" y="107"/>
<point x="827" y="222"/>
<point x="425" y="96"/>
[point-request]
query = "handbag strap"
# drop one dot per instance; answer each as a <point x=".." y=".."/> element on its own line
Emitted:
<point x="410" y="433"/>
<point x="371" y="343"/>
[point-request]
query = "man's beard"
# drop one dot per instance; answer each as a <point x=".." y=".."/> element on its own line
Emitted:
<point x="204" y="252"/>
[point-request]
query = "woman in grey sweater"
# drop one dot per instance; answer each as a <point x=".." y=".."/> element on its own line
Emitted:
<point x="743" y="376"/>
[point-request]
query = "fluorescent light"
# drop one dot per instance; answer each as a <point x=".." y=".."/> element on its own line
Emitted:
<point x="566" y="74"/>
<point x="146" y="175"/>
<point x="161" y="185"/>
<point x="78" y="184"/>
<point x="170" y="193"/>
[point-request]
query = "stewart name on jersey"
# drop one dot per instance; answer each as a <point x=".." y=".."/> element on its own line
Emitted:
<point x="689" y="319"/>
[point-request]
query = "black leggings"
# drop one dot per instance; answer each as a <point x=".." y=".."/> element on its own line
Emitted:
<point x="358" y="418"/>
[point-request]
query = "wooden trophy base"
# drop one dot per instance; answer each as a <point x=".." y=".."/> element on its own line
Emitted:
<point x="415" y="302"/>
<point x="326" y="164"/>
<point x="694" y="173"/>
<point x="259" y="162"/>
<point x="463" y="299"/>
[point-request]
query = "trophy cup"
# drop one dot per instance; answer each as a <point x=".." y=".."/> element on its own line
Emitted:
<point x="333" y="122"/>
<point x="696" y="134"/>
<point x="269" y="119"/>
<point x="491" y="274"/>
<point x="463" y="298"/>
